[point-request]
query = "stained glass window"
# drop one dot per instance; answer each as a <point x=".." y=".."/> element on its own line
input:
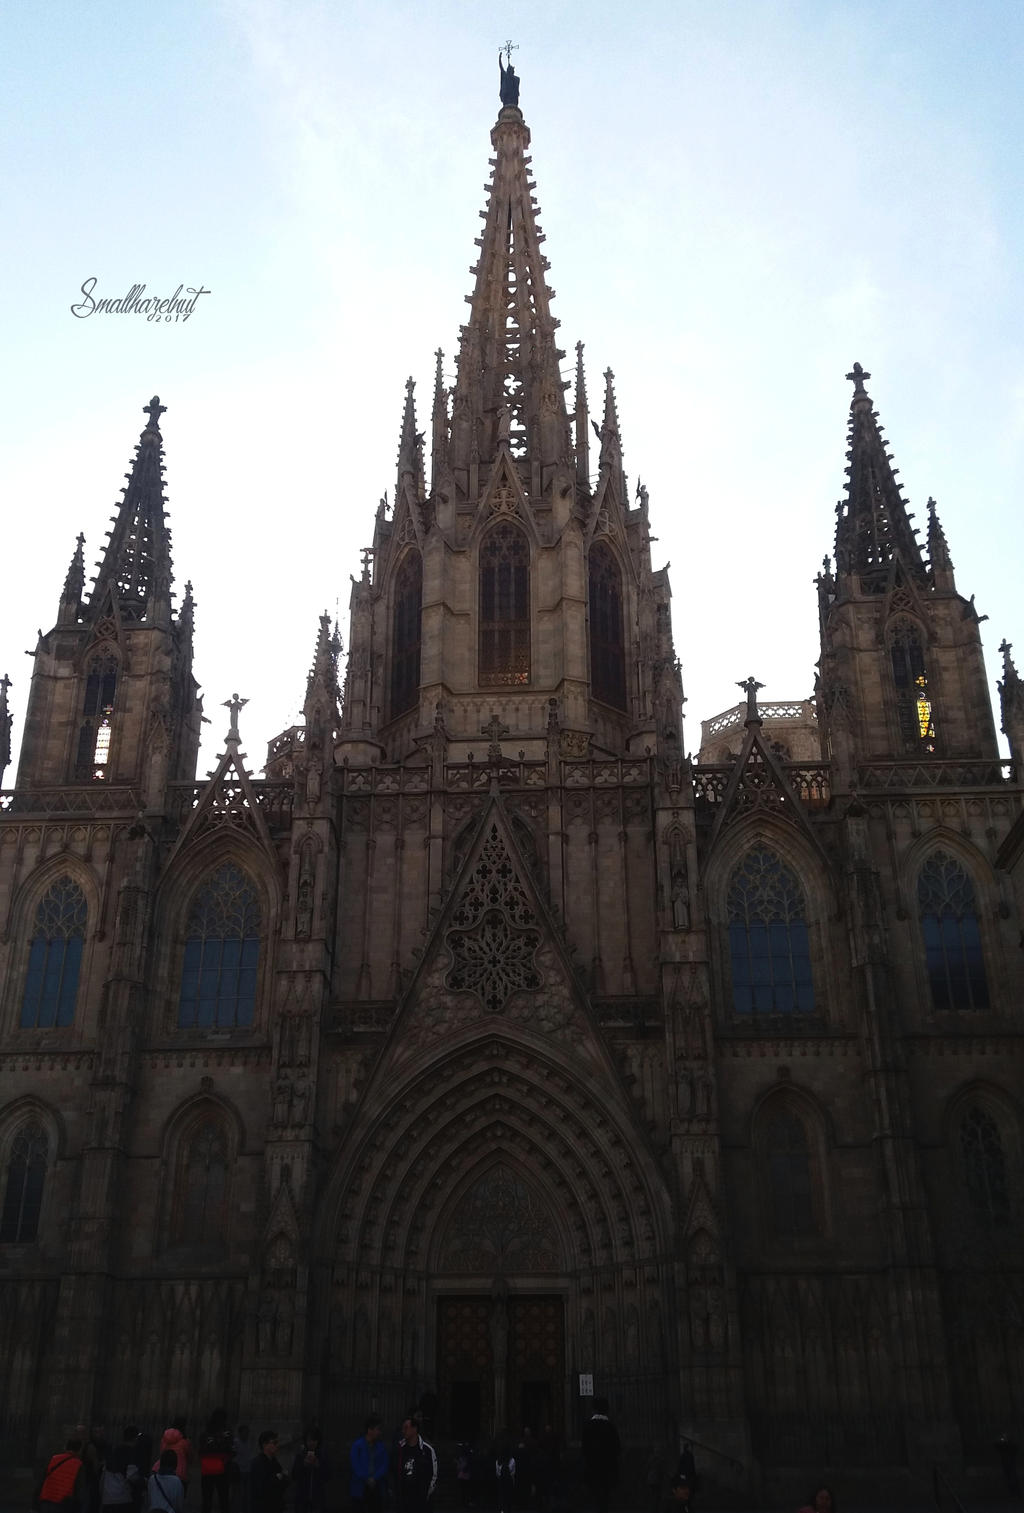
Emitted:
<point x="952" y="935"/>
<point x="222" y="950"/>
<point x="985" y="1168"/>
<point x="788" y="1156"/>
<point x="504" y="608"/>
<point x="201" y="1212"/>
<point x="910" y="676"/>
<point x="769" y="947"/>
<point x="97" y="719"/>
<point x="406" y="634"/>
<point x="55" y="957"/>
<point x="607" y="648"/>
<point x="23" y="1195"/>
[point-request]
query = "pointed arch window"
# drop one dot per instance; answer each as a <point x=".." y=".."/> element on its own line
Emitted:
<point x="504" y="658"/>
<point x="406" y="634"/>
<point x="910" y="678"/>
<point x="981" y="1146"/>
<point x="787" y="1155"/>
<point x="222" y="951"/>
<point x="55" y="957"/>
<point x="952" y="935"/>
<point x="23" y="1193"/>
<point x="97" y="725"/>
<point x="201" y="1210"/>
<point x="769" y="948"/>
<point x="607" y="643"/>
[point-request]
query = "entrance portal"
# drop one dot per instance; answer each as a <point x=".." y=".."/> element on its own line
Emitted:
<point x="501" y="1365"/>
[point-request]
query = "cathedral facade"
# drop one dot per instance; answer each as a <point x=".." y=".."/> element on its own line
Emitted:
<point x="487" y="1041"/>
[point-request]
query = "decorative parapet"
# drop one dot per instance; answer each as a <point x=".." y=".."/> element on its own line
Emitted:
<point x="729" y="718"/>
<point x="812" y="784"/>
<point x="97" y="798"/>
<point x="901" y="776"/>
<point x="275" y="801"/>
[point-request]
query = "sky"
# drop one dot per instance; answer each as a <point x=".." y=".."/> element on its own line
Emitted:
<point x="740" y="200"/>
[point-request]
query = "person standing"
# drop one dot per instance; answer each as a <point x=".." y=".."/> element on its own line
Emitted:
<point x="121" y="1474"/>
<point x="61" y="1480"/>
<point x="242" y="1448"/>
<point x="311" y="1471"/>
<point x="166" y="1489"/>
<point x="415" y="1471"/>
<point x="368" y="1459"/>
<point x="601" y="1449"/>
<point x="215" y="1455"/>
<point x="268" y="1480"/>
<point x="175" y="1439"/>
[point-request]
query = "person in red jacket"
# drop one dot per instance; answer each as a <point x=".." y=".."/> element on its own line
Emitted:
<point x="60" y="1479"/>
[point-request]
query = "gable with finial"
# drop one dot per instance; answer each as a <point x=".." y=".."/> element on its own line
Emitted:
<point x="504" y="498"/>
<point x="228" y="803"/>
<point x="495" y="959"/>
<point x="759" y="782"/>
<point x="902" y="596"/>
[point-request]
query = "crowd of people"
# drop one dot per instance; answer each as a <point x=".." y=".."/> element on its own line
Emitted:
<point x="238" y="1474"/>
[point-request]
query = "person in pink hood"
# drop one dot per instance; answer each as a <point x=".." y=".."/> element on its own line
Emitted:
<point x="174" y="1439"/>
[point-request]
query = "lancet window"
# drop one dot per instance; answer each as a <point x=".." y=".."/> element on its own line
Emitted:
<point x="201" y="1208"/>
<point x="769" y="949"/>
<point x="952" y="935"/>
<point x="222" y="951"/>
<point x="23" y="1193"/>
<point x="984" y="1159"/>
<point x="607" y="644"/>
<point x="406" y="634"/>
<point x="55" y="957"/>
<point x="910" y="678"/>
<point x="787" y="1156"/>
<point x="504" y="608"/>
<point x="96" y="729"/>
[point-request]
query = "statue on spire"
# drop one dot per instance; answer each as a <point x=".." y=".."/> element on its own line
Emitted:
<point x="509" y="77"/>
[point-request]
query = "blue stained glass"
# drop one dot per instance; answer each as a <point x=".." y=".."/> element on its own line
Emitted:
<point x="219" y="970"/>
<point x="769" y="947"/>
<point x="951" y="935"/>
<point x="55" y="957"/>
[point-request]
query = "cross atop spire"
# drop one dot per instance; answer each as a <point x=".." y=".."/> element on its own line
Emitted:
<point x="873" y="523"/>
<point x="857" y="376"/>
<point x="136" y="566"/>
<point x="154" y="410"/>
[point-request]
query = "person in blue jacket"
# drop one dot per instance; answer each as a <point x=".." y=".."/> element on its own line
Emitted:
<point x="369" y="1459"/>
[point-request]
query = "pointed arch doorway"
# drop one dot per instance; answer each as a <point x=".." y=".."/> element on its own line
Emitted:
<point x="500" y="1299"/>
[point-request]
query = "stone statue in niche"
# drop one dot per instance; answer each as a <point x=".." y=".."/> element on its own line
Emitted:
<point x="304" y="894"/>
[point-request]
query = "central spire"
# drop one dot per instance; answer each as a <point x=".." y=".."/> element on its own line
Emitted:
<point x="509" y="391"/>
<point x="873" y="526"/>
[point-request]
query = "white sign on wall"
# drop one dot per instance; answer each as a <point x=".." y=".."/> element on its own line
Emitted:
<point x="586" y="1384"/>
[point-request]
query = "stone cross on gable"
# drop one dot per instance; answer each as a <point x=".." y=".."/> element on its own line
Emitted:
<point x="236" y="705"/>
<point x="750" y="686"/>
<point x="494" y="730"/>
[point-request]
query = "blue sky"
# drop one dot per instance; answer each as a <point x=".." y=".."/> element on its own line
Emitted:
<point x="740" y="200"/>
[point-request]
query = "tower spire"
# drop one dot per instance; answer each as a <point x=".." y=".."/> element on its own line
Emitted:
<point x="1011" y="703"/>
<point x="6" y="720"/>
<point x="509" y="387"/>
<point x="610" y="464"/>
<point x="410" y="447"/>
<point x="74" y="583"/>
<point x="582" y="418"/>
<point x="439" y="419"/>
<point x="322" y="683"/>
<point x="873" y="526"/>
<point x="136" y="566"/>
<point x="939" y="561"/>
